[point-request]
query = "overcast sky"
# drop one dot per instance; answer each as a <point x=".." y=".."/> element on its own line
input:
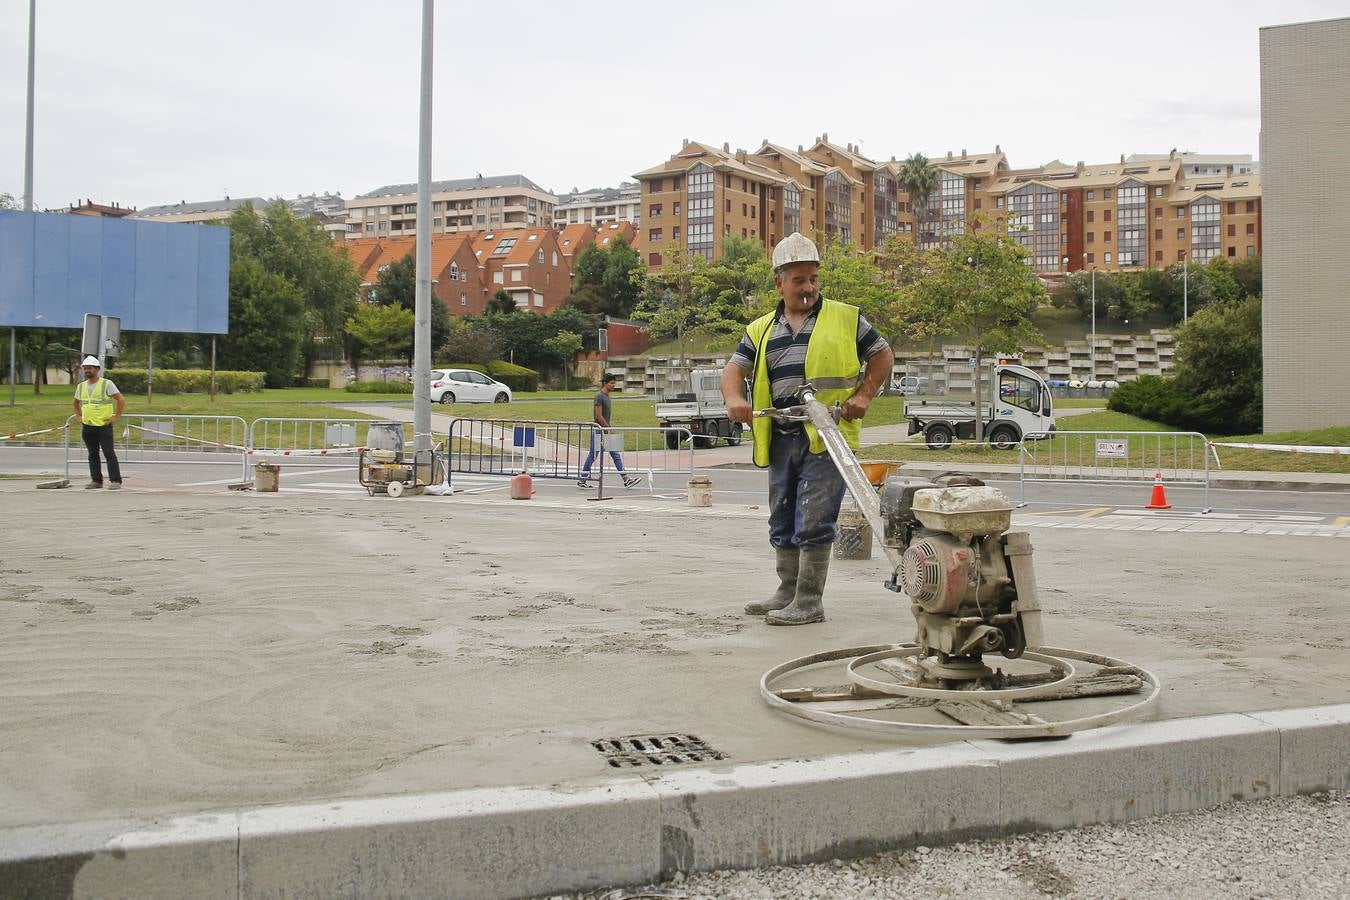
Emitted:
<point x="146" y="102"/>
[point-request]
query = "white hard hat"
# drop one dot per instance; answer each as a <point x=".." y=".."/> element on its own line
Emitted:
<point x="92" y="361"/>
<point x="794" y="249"/>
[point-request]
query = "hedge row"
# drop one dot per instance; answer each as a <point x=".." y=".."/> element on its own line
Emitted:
<point x="1161" y="400"/>
<point x="187" y="381"/>
<point x="378" y="387"/>
<point x="517" y="378"/>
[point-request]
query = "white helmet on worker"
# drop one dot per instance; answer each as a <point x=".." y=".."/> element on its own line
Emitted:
<point x="92" y="361"/>
<point x="795" y="248"/>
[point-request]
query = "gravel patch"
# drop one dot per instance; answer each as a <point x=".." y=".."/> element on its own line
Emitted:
<point x="1285" y="847"/>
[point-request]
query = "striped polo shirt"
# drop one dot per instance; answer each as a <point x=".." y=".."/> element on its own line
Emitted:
<point x="787" y="353"/>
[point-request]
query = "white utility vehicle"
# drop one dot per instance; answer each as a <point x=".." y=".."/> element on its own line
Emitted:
<point x="692" y="398"/>
<point x="1021" y="408"/>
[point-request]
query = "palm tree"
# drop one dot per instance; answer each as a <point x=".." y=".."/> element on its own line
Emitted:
<point x="920" y="180"/>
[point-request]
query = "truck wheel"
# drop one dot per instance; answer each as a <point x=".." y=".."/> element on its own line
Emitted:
<point x="734" y="438"/>
<point x="939" y="437"/>
<point x="1003" y="437"/>
<point x="704" y="441"/>
<point x="672" y="440"/>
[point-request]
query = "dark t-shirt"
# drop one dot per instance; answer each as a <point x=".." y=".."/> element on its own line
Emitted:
<point x="601" y="400"/>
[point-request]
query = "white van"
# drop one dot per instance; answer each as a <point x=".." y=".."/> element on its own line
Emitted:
<point x="909" y="385"/>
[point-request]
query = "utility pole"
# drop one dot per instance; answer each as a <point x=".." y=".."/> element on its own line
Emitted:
<point x="422" y="297"/>
<point x="1185" y="290"/>
<point x="27" y="165"/>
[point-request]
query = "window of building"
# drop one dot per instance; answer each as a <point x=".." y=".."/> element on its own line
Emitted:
<point x="555" y="258"/>
<point x="1157" y="212"/>
<point x="1091" y="257"/>
<point x="773" y="216"/>
<point x="1106" y="237"/>
<point x="436" y="222"/>
<point x="498" y="278"/>
<point x="1232" y="207"/>
<point x="728" y="204"/>
<point x="540" y="255"/>
<point x="675" y="233"/>
<point x="1181" y="234"/>
<point x="1251" y="251"/>
<point x="1205" y="229"/>
<point x="977" y="202"/>
<point x="654" y="259"/>
<point x="699" y="233"/>
<point x="1106" y="258"/>
<point x="675" y="209"/>
<point x="1157" y="192"/>
<point x="481" y="219"/>
<point x="463" y="299"/>
<point x="1157" y="256"/>
<point x="1091" y="216"/>
<point x="1181" y="254"/>
<point x="743" y="209"/>
<point x="656" y="185"/>
<point x="1106" y="215"/>
<point x="1251" y="206"/>
<point x="504" y="246"/>
<point x="517" y="275"/>
<point x="745" y="232"/>
<point x="1232" y="230"/>
<point x="1090" y="196"/>
<point x="1181" y="212"/>
<point x="1106" y="195"/>
<point x="1251" y="228"/>
<point x="454" y="271"/>
<point x="654" y="211"/>
<point x="998" y="202"/>
<point x="1092" y="237"/>
<point x="726" y="181"/>
<point x="1157" y="235"/>
<point x="675" y="183"/>
<point x="370" y="226"/>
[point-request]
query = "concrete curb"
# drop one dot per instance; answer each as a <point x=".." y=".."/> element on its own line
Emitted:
<point x="524" y="841"/>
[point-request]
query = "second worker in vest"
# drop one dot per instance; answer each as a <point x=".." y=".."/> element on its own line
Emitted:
<point x="99" y="405"/>
<point x="829" y="344"/>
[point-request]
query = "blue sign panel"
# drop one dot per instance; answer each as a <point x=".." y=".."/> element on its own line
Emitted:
<point x="522" y="436"/>
<point x="154" y="276"/>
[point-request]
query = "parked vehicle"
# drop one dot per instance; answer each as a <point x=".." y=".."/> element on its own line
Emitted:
<point x="1021" y="408"/>
<point x="693" y="399"/>
<point x="466" y="386"/>
<point x="909" y="385"/>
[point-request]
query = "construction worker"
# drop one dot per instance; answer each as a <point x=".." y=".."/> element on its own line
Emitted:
<point x="827" y="343"/>
<point x="99" y="405"/>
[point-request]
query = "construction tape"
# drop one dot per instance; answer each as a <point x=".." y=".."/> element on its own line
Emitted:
<point x="297" y="452"/>
<point x="10" y="437"/>
<point x="1286" y="448"/>
<point x="181" y="437"/>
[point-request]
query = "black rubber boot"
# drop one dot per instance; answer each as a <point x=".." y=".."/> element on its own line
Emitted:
<point x="788" y="559"/>
<point x="806" y="608"/>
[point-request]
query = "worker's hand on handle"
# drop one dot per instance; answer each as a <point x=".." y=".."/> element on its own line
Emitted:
<point x="738" y="410"/>
<point x="855" y="407"/>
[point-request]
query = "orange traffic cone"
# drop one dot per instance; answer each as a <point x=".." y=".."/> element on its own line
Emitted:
<point x="1159" y="498"/>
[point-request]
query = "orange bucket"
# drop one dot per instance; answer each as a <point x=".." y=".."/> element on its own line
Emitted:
<point x="878" y="472"/>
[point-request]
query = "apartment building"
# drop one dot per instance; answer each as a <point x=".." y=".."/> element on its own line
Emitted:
<point x="1204" y="165"/>
<point x="198" y="211"/>
<point x="526" y="263"/>
<point x="457" y="278"/>
<point x="466" y="204"/>
<point x="599" y="206"/>
<point x="1114" y="216"/>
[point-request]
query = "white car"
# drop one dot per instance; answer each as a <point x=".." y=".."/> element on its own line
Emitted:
<point x="466" y="386"/>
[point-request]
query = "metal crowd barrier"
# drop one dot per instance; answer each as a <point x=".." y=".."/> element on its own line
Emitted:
<point x="169" y="439"/>
<point x="1115" y="457"/>
<point x="319" y="442"/>
<point x="559" y="449"/>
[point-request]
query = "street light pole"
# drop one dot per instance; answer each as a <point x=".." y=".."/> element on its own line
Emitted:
<point x="422" y="295"/>
<point x="27" y="161"/>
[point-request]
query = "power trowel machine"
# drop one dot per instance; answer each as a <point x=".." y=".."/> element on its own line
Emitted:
<point x="972" y="592"/>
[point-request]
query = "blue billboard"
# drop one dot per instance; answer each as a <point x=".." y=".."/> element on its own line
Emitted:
<point x="154" y="276"/>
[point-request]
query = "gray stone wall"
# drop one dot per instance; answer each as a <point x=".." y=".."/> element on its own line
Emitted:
<point x="1305" y="132"/>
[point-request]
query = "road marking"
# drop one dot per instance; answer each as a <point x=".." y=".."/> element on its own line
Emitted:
<point x="1080" y="513"/>
<point x="236" y="480"/>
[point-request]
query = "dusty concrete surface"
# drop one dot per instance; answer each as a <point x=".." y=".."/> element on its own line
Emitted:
<point x="172" y="652"/>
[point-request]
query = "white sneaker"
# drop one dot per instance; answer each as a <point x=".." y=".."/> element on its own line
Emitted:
<point x="93" y="485"/>
<point x="632" y="480"/>
<point x="114" y="485"/>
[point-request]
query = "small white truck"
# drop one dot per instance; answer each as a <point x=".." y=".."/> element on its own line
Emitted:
<point x="692" y="398"/>
<point x="1020" y="408"/>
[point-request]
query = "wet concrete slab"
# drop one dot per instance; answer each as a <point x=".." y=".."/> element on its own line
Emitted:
<point x="171" y="652"/>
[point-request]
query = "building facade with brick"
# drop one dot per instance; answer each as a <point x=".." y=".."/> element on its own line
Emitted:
<point x="457" y="278"/>
<point x="599" y="206"/>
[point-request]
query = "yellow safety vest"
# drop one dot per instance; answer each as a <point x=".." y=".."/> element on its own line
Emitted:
<point x="96" y="406"/>
<point x="832" y="365"/>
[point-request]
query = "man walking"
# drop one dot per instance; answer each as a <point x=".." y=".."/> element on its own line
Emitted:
<point x="99" y="405"/>
<point x="806" y="339"/>
<point x="600" y="414"/>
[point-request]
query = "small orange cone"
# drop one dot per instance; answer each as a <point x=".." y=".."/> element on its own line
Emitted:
<point x="1159" y="498"/>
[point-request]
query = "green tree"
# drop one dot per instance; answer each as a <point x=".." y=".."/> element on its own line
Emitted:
<point x="742" y="277"/>
<point x="471" y="341"/>
<point x="564" y="346"/>
<point x="300" y="251"/>
<point x="1247" y="272"/>
<point x="267" y="323"/>
<point x="983" y="287"/>
<point x="381" y="331"/>
<point x="677" y="303"/>
<point x="1219" y="363"/>
<point x="396" y="285"/>
<point x="607" y="281"/>
<point x="502" y="302"/>
<point x="852" y="277"/>
<point x="919" y="178"/>
<point x="591" y="265"/>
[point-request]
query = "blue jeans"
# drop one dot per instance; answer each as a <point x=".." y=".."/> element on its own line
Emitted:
<point x="805" y="490"/>
<point x="597" y="446"/>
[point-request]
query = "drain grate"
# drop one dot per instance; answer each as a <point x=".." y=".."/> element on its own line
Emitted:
<point x="655" y="750"/>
